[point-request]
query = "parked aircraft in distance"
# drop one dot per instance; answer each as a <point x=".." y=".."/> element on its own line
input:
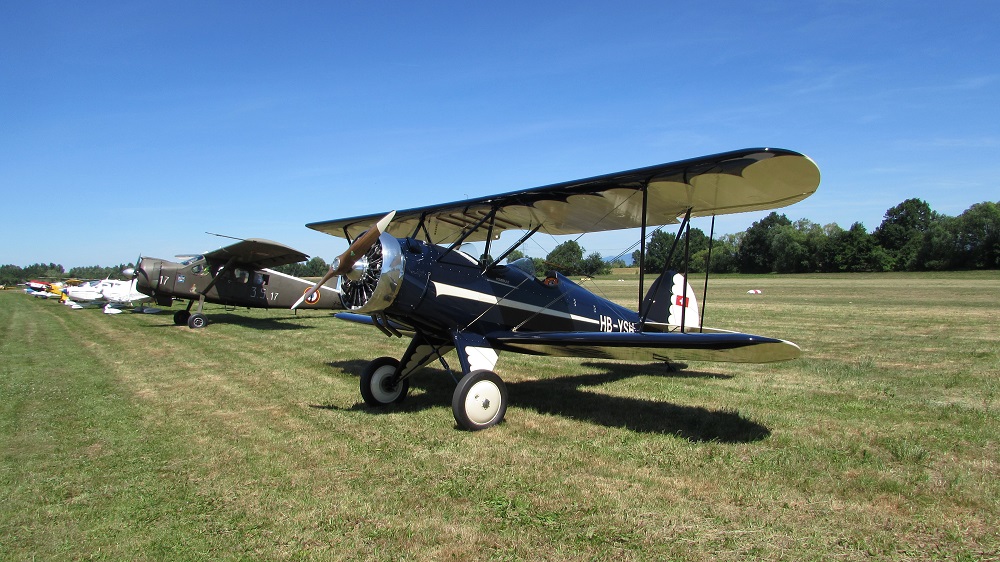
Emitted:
<point x="236" y="275"/>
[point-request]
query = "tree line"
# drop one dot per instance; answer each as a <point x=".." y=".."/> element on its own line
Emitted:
<point x="13" y="274"/>
<point x="911" y="237"/>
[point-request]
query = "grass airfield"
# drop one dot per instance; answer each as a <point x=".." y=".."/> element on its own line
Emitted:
<point x="126" y="437"/>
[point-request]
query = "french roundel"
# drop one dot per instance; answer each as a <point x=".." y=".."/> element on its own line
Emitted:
<point x="313" y="298"/>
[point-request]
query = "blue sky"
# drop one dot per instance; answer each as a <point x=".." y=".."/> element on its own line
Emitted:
<point x="135" y="127"/>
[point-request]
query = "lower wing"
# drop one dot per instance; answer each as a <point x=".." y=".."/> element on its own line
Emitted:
<point x="658" y="346"/>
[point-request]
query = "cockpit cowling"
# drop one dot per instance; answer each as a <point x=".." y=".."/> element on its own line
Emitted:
<point x="376" y="278"/>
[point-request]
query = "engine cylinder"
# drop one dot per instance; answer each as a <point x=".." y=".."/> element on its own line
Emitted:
<point x="375" y="287"/>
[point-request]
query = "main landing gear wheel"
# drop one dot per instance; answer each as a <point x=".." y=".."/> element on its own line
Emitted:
<point x="197" y="320"/>
<point x="181" y="317"/>
<point x="480" y="400"/>
<point x="377" y="385"/>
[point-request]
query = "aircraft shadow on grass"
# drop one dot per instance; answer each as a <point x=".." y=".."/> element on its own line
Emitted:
<point x="568" y="397"/>
<point x="278" y="323"/>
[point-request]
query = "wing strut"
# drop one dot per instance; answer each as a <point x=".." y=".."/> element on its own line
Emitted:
<point x="516" y="245"/>
<point x="687" y="267"/>
<point x="642" y="246"/>
<point x="469" y="232"/>
<point x="708" y="269"/>
<point x="685" y="231"/>
<point x="422" y="225"/>
<point x="215" y="279"/>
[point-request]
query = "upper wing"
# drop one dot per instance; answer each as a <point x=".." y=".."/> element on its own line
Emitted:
<point x="746" y="180"/>
<point x="649" y="346"/>
<point x="258" y="253"/>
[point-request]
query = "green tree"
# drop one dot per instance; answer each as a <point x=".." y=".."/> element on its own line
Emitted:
<point x="901" y="233"/>
<point x="11" y="274"/>
<point x="41" y="271"/>
<point x="978" y="237"/>
<point x="856" y="251"/>
<point x="315" y="267"/>
<point x="755" y="252"/>
<point x="789" y="250"/>
<point x="593" y="265"/>
<point x="567" y="258"/>
<point x="658" y="250"/>
<point x="938" y="246"/>
<point x="515" y="255"/>
<point x="294" y="269"/>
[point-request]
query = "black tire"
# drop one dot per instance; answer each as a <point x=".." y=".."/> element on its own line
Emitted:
<point x="197" y="320"/>
<point x="376" y="383"/>
<point x="480" y="400"/>
<point x="181" y="317"/>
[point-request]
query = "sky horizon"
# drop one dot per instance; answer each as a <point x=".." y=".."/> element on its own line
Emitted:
<point x="136" y="129"/>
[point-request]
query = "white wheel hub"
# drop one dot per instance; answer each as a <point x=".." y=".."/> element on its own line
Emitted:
<point x="381" y="388"/>
<point x="482" y="403"/>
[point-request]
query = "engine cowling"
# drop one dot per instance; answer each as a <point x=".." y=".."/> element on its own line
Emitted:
<point x="375" y="280"/>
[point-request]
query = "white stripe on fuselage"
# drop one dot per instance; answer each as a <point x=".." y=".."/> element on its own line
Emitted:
<point x="305" y="282"/>
<point x="443" y="289"/>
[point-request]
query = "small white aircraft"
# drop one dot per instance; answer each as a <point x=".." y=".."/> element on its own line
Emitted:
<point x="124" y="293"/>
<point x="113" y="292"/>
<point x="87" y="293"/>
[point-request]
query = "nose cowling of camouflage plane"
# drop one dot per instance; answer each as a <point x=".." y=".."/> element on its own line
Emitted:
<point x="147" y="281"/>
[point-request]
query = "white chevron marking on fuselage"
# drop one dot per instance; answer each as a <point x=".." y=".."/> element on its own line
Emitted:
<point x="443" y="289"/>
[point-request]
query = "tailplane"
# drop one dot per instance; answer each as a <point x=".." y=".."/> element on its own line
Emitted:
<point x="671" y="304"/>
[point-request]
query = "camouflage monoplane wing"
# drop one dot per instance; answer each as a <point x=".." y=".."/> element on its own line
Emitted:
<point x="258" y="253"/>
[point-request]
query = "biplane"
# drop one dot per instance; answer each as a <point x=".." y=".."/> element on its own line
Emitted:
<point x="408" y="276"/>
<point x="237" y="275"/>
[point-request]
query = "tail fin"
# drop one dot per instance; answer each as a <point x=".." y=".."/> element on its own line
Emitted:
<point x="667" y="302"/>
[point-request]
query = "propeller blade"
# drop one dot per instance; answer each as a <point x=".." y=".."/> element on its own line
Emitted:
<point x="329" y="275"/>
<point x="343" y="263"/>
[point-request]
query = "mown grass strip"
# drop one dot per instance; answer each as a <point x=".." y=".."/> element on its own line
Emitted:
<point x="128" y="437"/>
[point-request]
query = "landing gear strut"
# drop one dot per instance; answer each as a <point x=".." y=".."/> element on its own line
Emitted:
<point x="479" y="402"/>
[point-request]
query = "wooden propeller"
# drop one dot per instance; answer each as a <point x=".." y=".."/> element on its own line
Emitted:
<point x="343" y="263"/>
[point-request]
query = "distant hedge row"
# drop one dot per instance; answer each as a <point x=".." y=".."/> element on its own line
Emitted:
<point x="912" y="237"/>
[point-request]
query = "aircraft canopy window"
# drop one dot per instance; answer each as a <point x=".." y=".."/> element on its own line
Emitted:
<point x="526" y="265"/>
<point x="192" y="259"/>
<point x="241" y="275"/>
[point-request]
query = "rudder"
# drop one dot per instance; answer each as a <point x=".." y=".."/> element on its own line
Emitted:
<point x="667" y="302"/>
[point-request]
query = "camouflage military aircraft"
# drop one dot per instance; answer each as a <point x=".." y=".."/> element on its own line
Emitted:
<point x="237" y="275"/>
